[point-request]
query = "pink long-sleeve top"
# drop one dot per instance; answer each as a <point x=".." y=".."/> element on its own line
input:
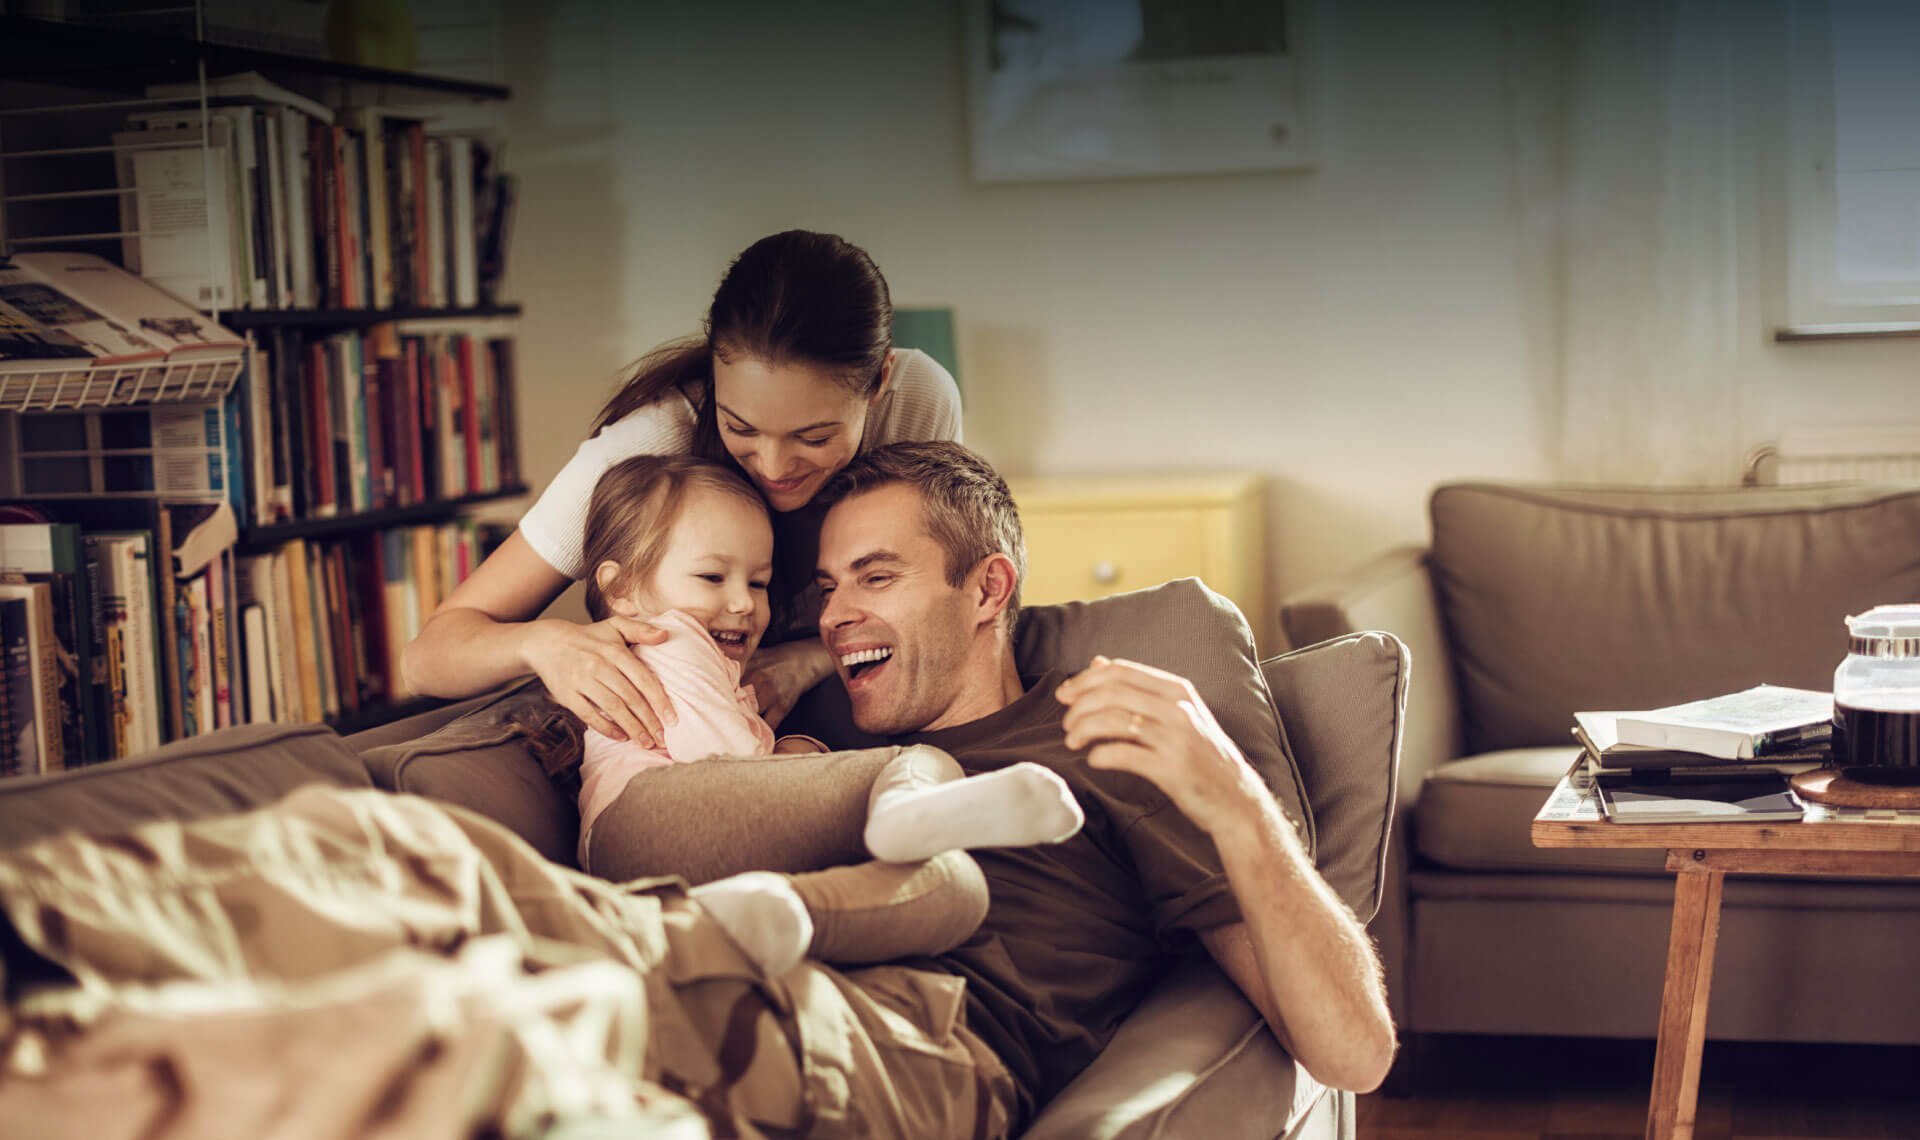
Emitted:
<point x="718" y="716"/>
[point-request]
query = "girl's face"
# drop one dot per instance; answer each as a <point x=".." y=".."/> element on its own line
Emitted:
<point x="791" y="426"/>
<point x="715" y="569"/>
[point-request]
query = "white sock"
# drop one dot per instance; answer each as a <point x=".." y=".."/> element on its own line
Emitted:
<point x="763" y="914"/>
<point x="915" y="815"/>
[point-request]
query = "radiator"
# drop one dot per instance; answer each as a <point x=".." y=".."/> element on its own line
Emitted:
<point x="1831" y="454"/>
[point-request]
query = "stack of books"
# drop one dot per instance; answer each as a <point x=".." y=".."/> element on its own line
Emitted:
<point x="1725" y="758"/>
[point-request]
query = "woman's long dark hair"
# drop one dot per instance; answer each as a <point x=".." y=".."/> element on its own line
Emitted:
<point x="794" y="296"/>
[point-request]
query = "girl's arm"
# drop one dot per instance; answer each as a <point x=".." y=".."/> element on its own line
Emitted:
<point x="484" y="635"/>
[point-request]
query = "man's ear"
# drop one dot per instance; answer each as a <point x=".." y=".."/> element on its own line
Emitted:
<point x="886" y="376"/>
<point x="607" y="576"/>
<point x="995" y="582"/>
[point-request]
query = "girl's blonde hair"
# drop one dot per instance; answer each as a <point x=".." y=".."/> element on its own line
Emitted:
<point x="633" y="511"/>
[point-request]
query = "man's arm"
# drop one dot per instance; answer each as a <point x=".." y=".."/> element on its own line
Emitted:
<point x="1298" y="954"/>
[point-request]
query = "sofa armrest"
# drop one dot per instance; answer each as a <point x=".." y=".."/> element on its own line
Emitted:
<point x="1394" y="593"/>
<point x="1193" y="1060"/>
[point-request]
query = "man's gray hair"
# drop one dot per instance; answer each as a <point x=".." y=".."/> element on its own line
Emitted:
<point x="969" y="510"/>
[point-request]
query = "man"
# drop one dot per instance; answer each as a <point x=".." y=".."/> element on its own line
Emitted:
<point x="921" y="559"/>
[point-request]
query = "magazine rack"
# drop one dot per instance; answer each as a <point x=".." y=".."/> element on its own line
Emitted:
<point x="59" y="386"/>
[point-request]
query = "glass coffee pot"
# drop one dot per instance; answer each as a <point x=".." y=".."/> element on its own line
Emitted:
<point x="1876" y="697"/>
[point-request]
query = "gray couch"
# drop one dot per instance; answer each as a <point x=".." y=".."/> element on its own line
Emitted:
<point x="1534" y="601"/>
<point x="1194" y="1060"/>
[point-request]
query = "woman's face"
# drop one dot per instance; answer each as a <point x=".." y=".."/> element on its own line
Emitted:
<point x="790" y="426"/>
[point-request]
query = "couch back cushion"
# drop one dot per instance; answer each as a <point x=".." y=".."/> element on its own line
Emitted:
<point x="1343" y="702"/>
<point x="1564" y="598"/>
<point x="220" y="773"/>
<point x="1189" y="630"/>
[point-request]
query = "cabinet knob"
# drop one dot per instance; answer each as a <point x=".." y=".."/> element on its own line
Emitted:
<point x="1106" y="571"/>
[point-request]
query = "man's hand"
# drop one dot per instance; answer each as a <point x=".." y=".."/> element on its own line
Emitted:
<point x="1152" y="723"/>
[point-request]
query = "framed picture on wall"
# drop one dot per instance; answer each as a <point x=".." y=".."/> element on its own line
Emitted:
<point x="1063" y="89"/>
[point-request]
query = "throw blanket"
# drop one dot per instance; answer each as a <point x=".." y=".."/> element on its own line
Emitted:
<point x="354" y="963"/>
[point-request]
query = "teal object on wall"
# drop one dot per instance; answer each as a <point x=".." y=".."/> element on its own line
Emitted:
<point x="930" y="331"/>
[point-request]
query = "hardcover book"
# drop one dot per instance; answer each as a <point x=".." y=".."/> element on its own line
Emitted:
<point x="1765" y="720"/>
<point x="1702" y="798"/>
<point x="1598" y="734"/>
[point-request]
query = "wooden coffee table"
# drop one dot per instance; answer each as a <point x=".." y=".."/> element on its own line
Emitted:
<point x="1829" y="841"/>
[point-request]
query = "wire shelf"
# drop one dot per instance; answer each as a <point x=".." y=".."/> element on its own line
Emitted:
<point x="61" y="385"/>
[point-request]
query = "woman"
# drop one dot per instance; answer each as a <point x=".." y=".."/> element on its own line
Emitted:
<point x="796" y="375"/>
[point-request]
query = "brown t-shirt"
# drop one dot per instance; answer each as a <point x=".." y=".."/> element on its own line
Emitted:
<point x="1077" y="932"/>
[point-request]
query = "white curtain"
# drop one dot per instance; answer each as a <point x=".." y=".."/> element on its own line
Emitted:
<point x="1639" y="129"/>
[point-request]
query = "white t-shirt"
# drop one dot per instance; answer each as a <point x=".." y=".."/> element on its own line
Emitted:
<point x="922" y="403"/>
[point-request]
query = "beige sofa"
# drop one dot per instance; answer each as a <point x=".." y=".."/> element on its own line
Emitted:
<point x="1534" y="601"/>
<point x="1194" y="1060"/>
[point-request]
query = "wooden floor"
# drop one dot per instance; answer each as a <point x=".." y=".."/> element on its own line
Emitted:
<point x="1530" y="1088"/>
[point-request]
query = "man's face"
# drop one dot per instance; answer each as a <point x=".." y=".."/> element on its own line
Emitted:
<point x="900" y="635"/>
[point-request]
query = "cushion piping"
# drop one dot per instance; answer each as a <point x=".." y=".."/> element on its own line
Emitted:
<point x="1543" y="497"/>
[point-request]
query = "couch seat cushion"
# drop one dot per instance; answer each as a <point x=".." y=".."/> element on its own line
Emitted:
<point x="1477" y="814"/>
<point x="219" y="773"/>
<point x="1194" y="1060"/>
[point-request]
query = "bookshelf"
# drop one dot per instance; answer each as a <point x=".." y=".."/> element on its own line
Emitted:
<point x="371" y="408"/>
<point x="115" y="59"/>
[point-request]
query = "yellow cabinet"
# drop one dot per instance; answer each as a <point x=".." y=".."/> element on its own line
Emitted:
<point x="1090" y="536"/>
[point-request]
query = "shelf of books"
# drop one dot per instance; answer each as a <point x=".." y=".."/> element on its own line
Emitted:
<point x="253" y="367"/>
<point x="115" y="56"/>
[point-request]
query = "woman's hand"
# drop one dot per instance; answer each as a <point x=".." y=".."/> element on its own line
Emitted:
<point x="591" y="671"/>
<point x="779" y="674"/>
<point x="1143" y="720"/>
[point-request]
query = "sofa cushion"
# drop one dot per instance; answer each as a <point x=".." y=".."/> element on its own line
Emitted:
<point x="480" y="761"/>
<point x="1477" y="814"/>
<point x="1187" y="629"/>
<point x="1560" y="598"/>
<point x="219" y="773"/>
<point x="1193" y="1060"/>
<point x="1343" y="702"/>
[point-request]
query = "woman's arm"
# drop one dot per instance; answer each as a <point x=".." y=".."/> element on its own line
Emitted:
<point x="484" y="634"/>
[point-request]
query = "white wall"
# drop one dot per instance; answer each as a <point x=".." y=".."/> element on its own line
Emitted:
<point x="1358" y="332"/>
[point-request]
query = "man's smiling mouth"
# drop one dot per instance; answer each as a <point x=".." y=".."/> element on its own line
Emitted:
<point x="862" y="660"/>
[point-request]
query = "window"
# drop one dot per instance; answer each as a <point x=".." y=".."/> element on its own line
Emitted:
<point x="1855" y="166"/>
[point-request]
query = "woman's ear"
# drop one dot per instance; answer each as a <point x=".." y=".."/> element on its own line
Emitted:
<point x="607" y="577"/>
<point x="886" y="376"/>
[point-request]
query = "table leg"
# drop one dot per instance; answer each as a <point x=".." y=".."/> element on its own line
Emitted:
<point x="1683" y="1004"/>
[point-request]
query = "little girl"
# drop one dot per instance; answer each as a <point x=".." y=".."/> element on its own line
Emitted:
<point x="687" y="545"/>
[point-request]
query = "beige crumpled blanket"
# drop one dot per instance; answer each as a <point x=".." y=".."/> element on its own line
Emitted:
<point x="413" y="1045"/>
